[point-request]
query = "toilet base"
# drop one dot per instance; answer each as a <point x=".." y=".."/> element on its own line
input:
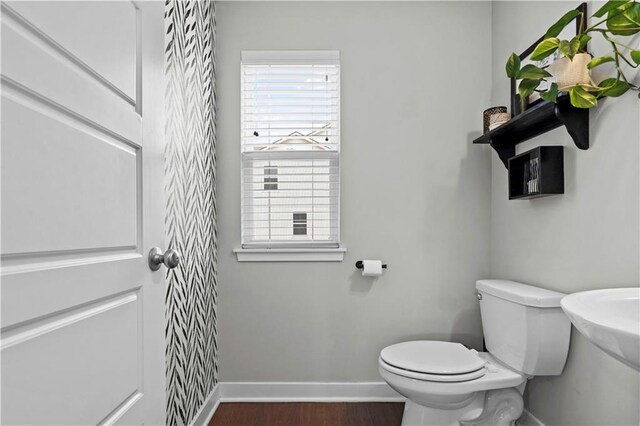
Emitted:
<point x="420" y="415"/>
<point x="499" y="407"/>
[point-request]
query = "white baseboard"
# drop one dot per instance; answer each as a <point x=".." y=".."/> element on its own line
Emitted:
<point x="528" y="419"/>
<point x="205" y="413"/>
<point x="307" y="392"/>
<point x="293" y="392"/>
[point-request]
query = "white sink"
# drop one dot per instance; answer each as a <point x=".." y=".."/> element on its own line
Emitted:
<point x="610" y="319"/>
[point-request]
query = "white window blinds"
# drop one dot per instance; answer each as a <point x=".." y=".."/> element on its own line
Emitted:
<point x="290" y="148"/>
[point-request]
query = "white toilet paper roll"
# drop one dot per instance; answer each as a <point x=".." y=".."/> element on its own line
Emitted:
<point x="371" y="268"/>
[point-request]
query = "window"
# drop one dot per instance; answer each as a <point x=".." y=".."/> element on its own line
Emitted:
<point x="270" y="178"/>
<point x="299" y="224"/>
<point x="290" y="149"/>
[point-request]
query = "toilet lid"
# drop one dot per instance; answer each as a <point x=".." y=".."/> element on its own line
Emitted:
<point x="434" y="357"/>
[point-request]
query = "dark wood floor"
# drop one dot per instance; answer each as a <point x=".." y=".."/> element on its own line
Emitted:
<point x="308" y="414"/>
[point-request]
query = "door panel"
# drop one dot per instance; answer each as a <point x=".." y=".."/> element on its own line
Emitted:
<point x="90" y="204"/>
<point x="34" y="289"/>
<point x="55" y="363"/>
<point x="68" y="83"/>
<point x="111" y="49"/>
<point x="82" y="315"/>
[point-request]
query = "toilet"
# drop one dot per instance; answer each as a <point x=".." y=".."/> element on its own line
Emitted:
<point x="526" y="334"/>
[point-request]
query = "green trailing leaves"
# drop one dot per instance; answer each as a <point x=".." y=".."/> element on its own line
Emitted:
<point x="550" y="95"/>
<point x="612" y="87"/>
<point x="513" y="66"/>
<point x="580" y="98"/>
<point x="625" y="20"/>
<point x="608" y="6"/>
<point x="599" y="61"/>
<point x="595" y="90"/>
<point x="583" y="40"/>
<point x="621" y="18"/>
<point x="619" y="89"/>
<point x="607" y="83"/>
<point x="568" y="49"/>
<point x="527" y="87"/>
<point x="531" y="72"/>
<point x="545" y="48"/>
<point x="574" y="46"/>
<point x="557" y="28"/>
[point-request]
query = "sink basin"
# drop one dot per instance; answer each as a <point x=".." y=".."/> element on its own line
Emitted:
<point x="610" y="319"/>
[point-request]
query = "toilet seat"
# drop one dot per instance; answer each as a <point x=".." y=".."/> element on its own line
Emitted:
<point x="433" y="377"/>
<point x="433" y="361"/>
<point x="497" y="376"/>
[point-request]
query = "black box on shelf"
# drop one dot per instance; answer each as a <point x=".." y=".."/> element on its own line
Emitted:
<point x="536" y="173"/>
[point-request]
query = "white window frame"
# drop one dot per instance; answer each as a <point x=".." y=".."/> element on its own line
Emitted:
<point x="284" y="252"/>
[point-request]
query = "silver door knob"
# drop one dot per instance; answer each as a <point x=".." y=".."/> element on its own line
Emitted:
<point x="170" y="258"/>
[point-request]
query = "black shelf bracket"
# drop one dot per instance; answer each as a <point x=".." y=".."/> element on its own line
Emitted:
<point x="537" y="120"/>
<point x="504" y="153"/>
<point x="576" y="120"/>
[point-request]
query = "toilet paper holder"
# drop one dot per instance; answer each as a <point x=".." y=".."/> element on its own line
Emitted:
<point x="360" y="265"/>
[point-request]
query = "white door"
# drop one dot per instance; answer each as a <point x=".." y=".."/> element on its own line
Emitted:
<point x="82" y="315"/>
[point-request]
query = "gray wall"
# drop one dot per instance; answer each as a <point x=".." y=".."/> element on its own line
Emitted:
<point x="417" y="194"/>
<point x="585" y="239"/>
<point x="414" y="191"/>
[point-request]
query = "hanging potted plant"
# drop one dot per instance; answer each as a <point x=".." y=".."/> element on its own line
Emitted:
<point x="615" y="19"/>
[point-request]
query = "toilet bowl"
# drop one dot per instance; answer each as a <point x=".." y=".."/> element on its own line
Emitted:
<point x="446" y="383"/>
<point x="437" y="397"/>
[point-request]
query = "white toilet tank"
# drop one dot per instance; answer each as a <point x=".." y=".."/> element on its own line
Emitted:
<point x="524" y="326"/>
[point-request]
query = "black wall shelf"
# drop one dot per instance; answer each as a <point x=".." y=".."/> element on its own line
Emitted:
<point x="538" y="119"/>
<point x="536" y="173"/>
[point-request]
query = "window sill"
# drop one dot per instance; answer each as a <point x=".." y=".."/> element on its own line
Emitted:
<point x="291" y="255"/>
